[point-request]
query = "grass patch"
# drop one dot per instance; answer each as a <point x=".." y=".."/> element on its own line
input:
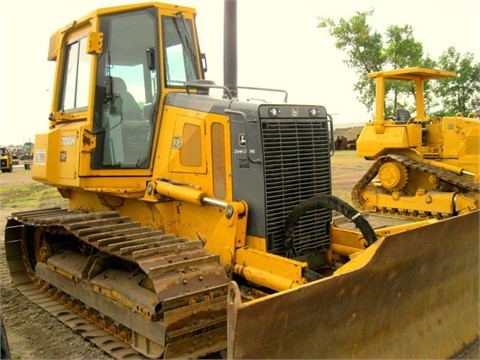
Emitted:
<point x="344" y="194"/>
<point x="36" y="195"/>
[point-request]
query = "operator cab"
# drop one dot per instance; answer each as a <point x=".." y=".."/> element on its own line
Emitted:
<point x="128" y="82"/>
<point x="140" y="53"/>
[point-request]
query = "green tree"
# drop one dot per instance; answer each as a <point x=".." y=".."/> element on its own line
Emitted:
<point x="363" y="47"/>
<point x="401" y="50"/>
<point x="369" y="51"/>
<point x="462" y="93"/>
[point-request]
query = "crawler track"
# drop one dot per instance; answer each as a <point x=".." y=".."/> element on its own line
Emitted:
<point x="131" y="291"/>
<point x="469" y="188"/>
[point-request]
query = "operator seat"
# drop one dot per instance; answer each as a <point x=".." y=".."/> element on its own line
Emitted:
<point x="403" y="115"/>
<point x="130" y="108"/>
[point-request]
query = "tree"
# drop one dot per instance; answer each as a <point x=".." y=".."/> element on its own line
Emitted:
<point x="461" y="94"/>
<point x="401" y="50"/>
<point x="363" y="47"/>
<point x="368" y="51"/>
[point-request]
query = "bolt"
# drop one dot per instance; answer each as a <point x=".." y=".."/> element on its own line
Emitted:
<point x="149" y="188"/>
<point x="229" y="211"/>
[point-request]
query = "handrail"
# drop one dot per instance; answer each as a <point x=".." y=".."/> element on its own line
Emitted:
<point x="227" y="91"/>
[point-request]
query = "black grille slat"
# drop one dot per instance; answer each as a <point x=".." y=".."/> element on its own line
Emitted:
<point x="297" y="167"/>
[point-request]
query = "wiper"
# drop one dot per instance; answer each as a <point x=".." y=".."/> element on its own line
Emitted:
<point x="188" y="40"/>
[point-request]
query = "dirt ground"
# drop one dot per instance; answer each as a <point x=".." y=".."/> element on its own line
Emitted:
<point x="35" y="334"/>
<point x="31" y="331"/>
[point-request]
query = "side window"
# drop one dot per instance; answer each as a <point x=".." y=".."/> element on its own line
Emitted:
<point x="180" y="58"/>
<point x="76" y="76"/>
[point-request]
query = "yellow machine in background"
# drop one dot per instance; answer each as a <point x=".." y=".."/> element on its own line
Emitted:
<point x="199" y="224"/>
<point x="6" y="160"/>
<point x="425" y="166"/>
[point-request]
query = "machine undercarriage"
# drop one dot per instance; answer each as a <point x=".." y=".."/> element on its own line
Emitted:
<point x="104" y="266"/>
<point x="410" y="188"/>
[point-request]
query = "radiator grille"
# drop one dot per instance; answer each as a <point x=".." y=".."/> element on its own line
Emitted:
<point x="297" y="167"/>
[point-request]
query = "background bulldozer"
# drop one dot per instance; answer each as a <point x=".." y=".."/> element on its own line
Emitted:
<point x="426" y="166"/>
<point x="6" y="160"/>
<point x="200" y="225"/>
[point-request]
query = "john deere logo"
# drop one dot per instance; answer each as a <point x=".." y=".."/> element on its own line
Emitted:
<point x="242" y="140"/>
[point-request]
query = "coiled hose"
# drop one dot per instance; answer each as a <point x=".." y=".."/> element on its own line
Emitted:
<point x="326" y="202"/>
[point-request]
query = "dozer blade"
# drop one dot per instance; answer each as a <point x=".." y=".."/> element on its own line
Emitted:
<point x="415" y="295"/>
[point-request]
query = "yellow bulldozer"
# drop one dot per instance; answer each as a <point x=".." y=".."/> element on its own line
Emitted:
<point x="202" y="225"/>
<point x="6" y="160"/>
<point x="426" y="166"/>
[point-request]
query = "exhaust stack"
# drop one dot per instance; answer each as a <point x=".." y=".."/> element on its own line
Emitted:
<point x="230" y="46"/>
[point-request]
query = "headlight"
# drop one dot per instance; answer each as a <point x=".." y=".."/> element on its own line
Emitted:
<point x="273" y="112"/>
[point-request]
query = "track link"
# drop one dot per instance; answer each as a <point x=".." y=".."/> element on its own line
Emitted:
<point x="117" y="282"/>
<point x="469" y="188"/>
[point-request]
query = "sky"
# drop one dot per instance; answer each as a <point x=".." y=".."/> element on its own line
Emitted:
<point x="279" y="46"/>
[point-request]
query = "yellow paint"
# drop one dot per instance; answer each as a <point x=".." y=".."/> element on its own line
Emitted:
<point x="269" y="270"/>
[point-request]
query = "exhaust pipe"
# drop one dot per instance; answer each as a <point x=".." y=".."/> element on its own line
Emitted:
<point x="230" y="46"/>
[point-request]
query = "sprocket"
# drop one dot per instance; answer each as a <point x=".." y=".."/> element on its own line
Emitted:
<point x="393" y="176"/>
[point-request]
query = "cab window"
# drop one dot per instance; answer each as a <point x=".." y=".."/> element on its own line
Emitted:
<point x="179" y="52"/>
<point x="76" y="76"/>
<point x="127" y="91"/>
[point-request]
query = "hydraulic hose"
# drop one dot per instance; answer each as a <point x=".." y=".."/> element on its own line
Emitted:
<point x="326" y="202"/>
